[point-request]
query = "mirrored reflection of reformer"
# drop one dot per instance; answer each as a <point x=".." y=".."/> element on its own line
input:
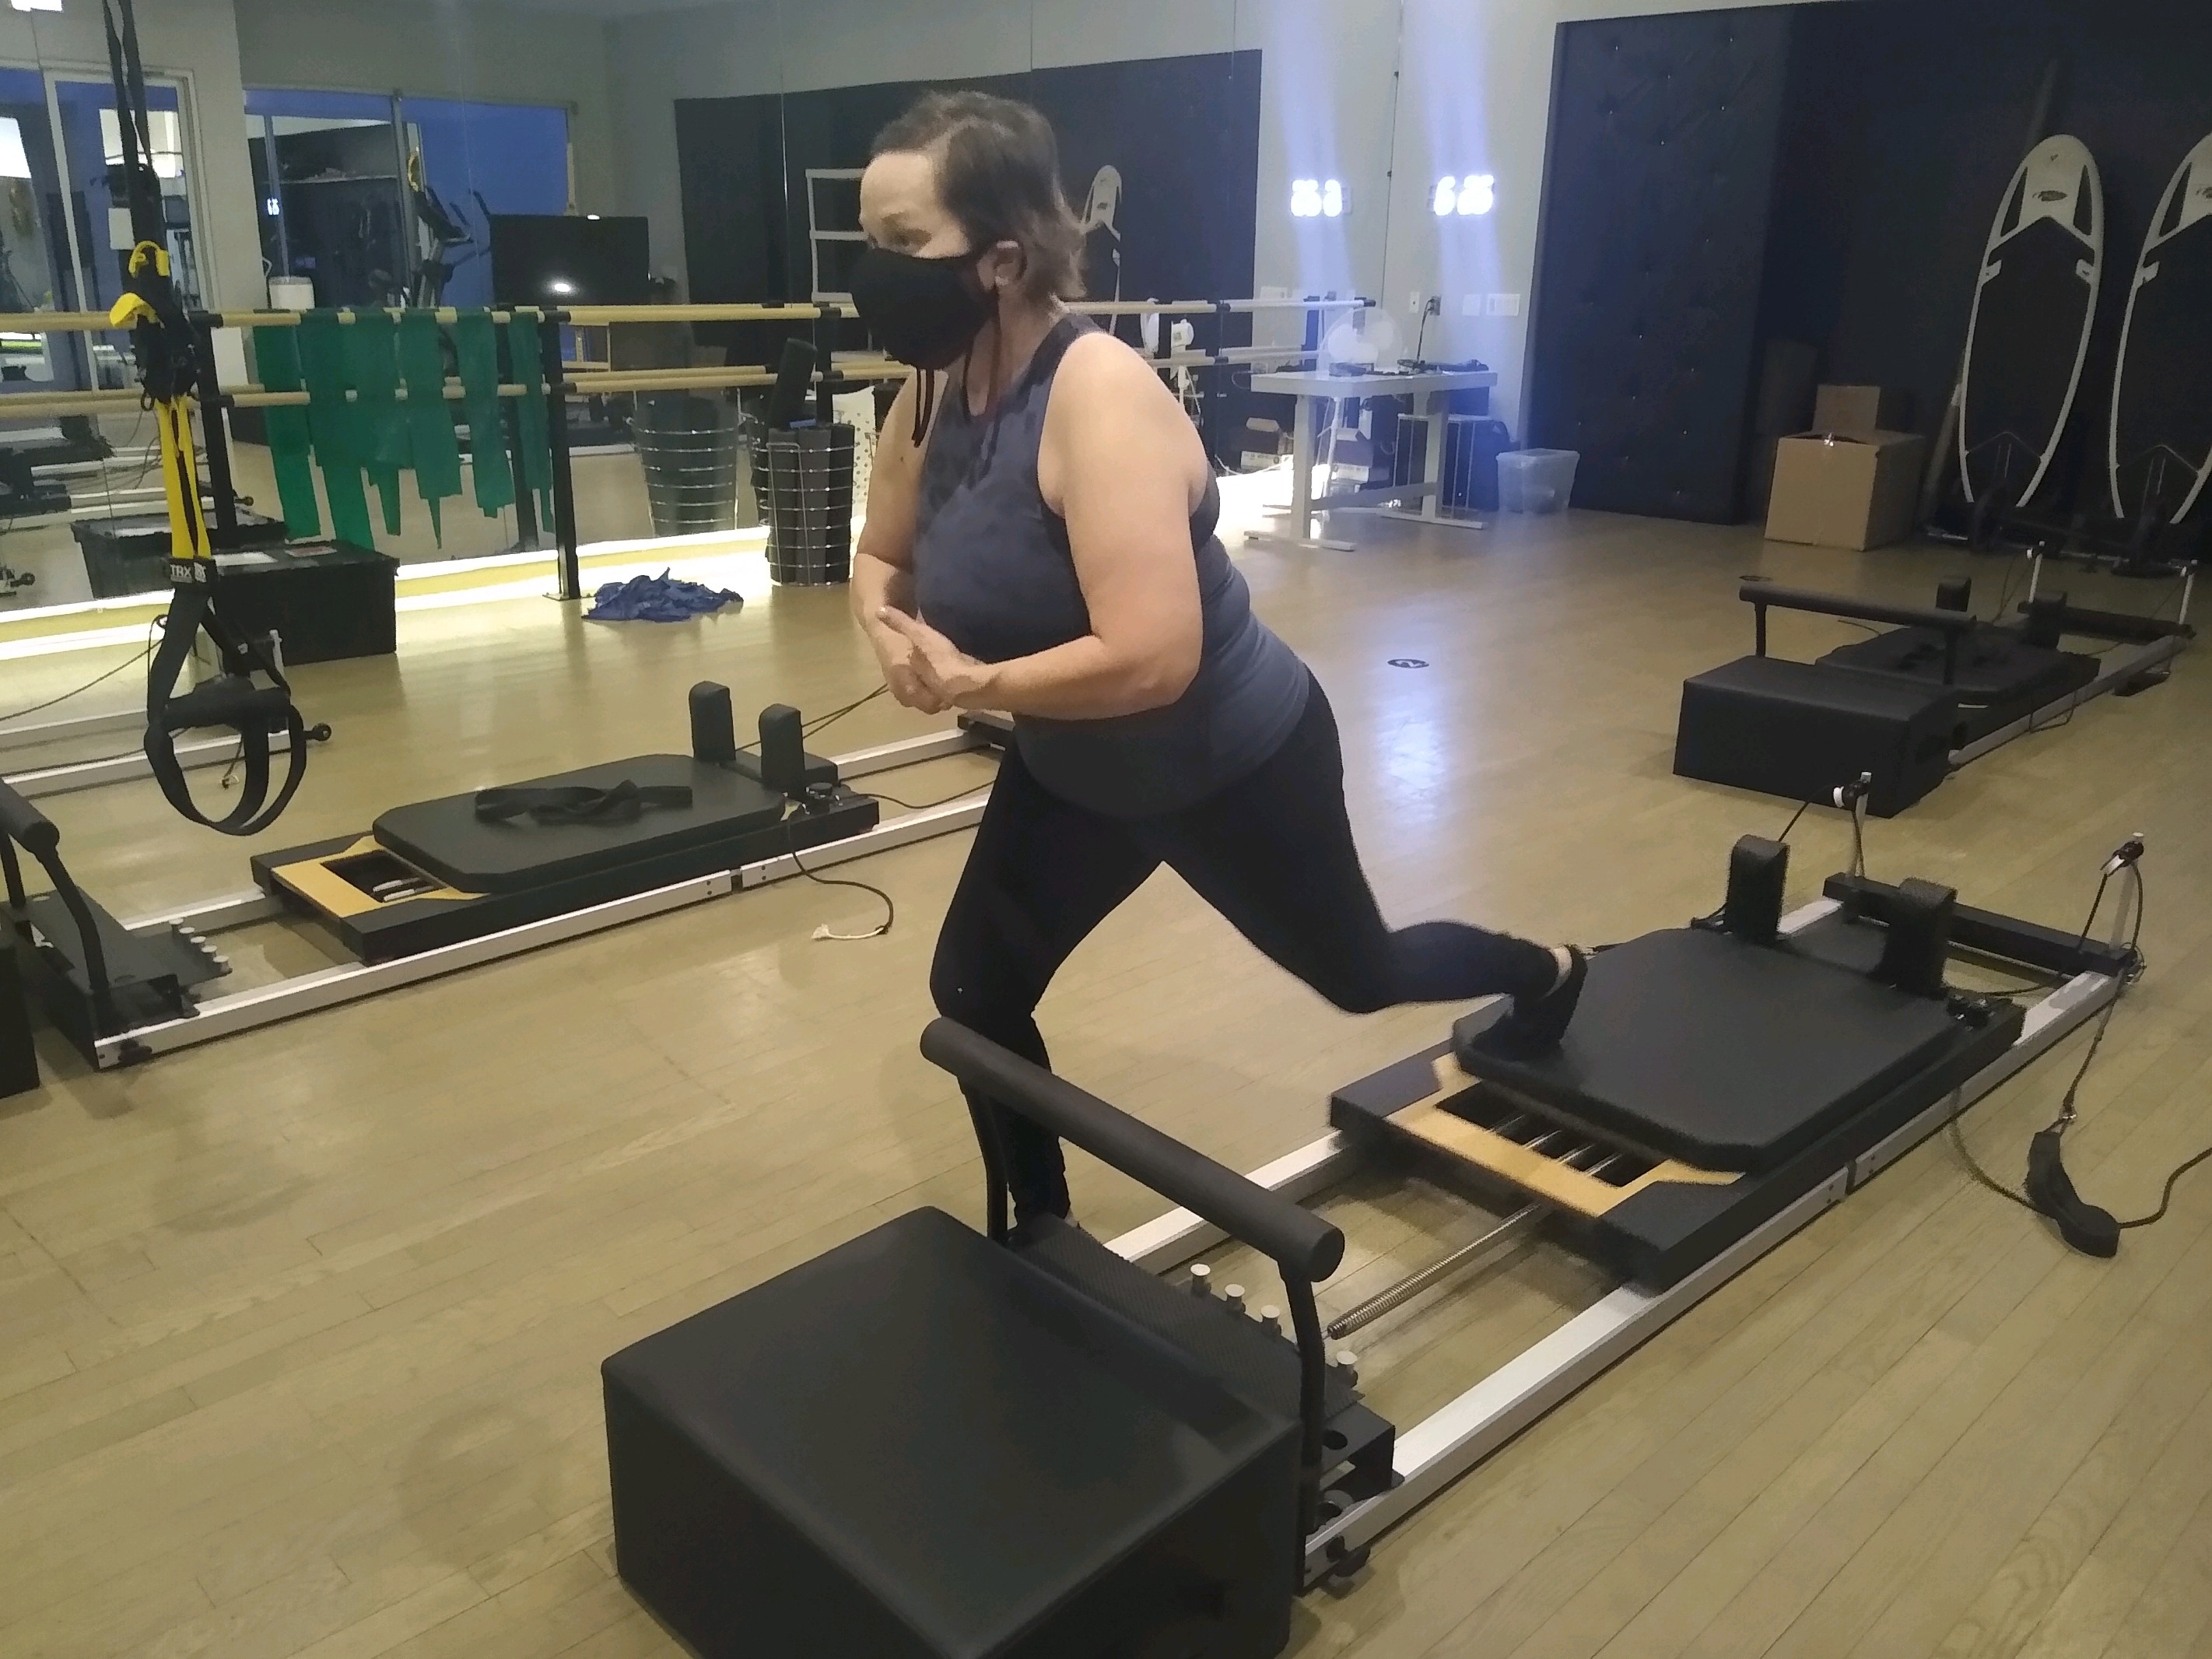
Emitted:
<point x="1938" y="687"/>
<point x="1024" y="1441"/>
<point x="444" y="884"/>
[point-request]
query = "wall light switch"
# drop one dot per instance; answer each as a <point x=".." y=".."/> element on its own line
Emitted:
<point x="1505" y="304"/>
<point x="1471" y="306"/>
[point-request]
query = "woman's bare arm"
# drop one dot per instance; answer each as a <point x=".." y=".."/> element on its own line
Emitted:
<point x="882" y="562"/>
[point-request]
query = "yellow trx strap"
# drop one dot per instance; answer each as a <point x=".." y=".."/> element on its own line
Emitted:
<point x="169" y="395"/>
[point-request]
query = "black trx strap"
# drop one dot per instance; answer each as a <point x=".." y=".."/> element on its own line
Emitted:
<point x="625" y="803"/>
<point x="168" y="352"/>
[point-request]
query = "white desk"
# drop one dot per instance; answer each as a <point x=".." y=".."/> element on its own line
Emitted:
<point x="1427" y="387"/>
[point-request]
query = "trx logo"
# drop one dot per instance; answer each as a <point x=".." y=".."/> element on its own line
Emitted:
<point x="2051" y="195"/>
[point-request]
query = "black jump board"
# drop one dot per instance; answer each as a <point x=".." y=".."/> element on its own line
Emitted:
<point x="446" y="839"/>
<point x="1722" y="1054"/>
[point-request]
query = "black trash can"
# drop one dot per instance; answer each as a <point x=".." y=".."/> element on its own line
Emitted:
<point x="805" y="487"/>
<point x="689" y="447"/>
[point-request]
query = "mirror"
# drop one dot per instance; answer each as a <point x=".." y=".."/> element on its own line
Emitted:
<point x="1214" y="149"/>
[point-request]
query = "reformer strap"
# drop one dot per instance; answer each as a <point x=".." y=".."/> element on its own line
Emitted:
<point x="625" y="803"/>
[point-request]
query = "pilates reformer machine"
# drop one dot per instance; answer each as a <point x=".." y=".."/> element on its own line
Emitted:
<point x="935" y="1441"/>
<point x="1935" y="689"/>
<point x="437" y="886"/>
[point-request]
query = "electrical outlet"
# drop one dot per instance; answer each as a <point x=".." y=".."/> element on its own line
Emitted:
<point x="1505" y="304"/>
<point x="1435" y="305"/>
<point x="1273" y="291"/>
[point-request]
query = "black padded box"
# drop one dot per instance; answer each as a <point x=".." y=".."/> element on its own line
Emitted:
<point x="1802" y="730"/>
<point x="19" y="1058"/>
<point x="324" y="600"/>
<point x="921" y="1445"/>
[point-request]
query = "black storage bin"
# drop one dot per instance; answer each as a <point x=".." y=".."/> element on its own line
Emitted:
<point x="1472" y="443"/>
<point x="805" y="486"/>
<point x="690" y="448"/>
<point x="129" y="553"/>
<point x="323" y="600"/>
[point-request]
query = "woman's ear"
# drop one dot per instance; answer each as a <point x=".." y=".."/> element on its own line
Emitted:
<point x="1005" y="266"/>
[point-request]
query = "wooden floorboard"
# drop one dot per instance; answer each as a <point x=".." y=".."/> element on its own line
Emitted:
<point x="298" y="1331"/>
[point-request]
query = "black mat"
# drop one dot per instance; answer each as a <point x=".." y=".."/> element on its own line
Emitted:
<point x="1995" y="665"/>
<point x="1725" y="1055"/>
<point x="443" y="838"/>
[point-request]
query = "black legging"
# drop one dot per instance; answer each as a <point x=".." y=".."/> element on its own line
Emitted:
<point x="1274" y="854"/>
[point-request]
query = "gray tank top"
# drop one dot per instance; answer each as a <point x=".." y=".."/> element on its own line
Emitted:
<point x="992" y="573"/>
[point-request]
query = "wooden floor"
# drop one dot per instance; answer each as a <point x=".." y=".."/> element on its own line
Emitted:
<point x="298" y="1331"/>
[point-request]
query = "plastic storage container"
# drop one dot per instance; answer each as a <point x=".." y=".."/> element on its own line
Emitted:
<point x="1536" y="480"/>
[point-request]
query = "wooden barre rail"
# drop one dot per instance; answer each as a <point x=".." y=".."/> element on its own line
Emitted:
<point x="250" y="397"/>
<point x="606" y="382"/>
<point x="589" y="384"/>
<point x="97" y="322"/>
<point x="604" y="316"/>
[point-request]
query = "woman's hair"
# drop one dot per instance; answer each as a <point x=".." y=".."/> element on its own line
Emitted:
<point x="998" y="173"/>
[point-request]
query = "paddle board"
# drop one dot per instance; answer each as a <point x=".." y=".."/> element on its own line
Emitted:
<point x="2162" y="436"/>
<point x="2034" y="307"/>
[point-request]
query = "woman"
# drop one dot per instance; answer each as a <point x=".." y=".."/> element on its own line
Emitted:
<point x="1040" y="540"/>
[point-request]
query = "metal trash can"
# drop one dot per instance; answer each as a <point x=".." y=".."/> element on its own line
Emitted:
<point x="806" y="485"/>
<point x="689" y="447"/>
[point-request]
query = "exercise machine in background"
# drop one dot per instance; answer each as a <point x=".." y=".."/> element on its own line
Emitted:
<point x="1909" y="706"/>
<point x="1025" y="1441"/>
<point x="436" y="886"/>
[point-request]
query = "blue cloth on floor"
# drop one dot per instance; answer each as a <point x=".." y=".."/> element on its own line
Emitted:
<point x="662" y="599"/>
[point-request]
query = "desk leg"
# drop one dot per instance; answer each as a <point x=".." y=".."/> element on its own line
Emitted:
<point x="1432" y="499"/>
<point x="1300" y="532"/>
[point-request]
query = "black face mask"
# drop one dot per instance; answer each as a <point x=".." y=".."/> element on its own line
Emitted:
<point x="922" y="311"/>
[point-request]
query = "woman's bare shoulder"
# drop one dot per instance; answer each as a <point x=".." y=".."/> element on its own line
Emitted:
<point x="1098" y="361"/>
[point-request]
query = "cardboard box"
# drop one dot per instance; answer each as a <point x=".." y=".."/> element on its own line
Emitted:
<point x="1861" y="408"/>
<point x="1846" y="489"/>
